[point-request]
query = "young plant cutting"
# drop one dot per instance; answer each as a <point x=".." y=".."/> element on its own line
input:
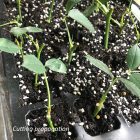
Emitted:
<point x="76" y="65"/>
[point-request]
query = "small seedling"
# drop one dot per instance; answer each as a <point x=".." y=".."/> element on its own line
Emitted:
<point x="133" y="84"/>
<point x="100" y="4"/>
<point x="20" y="32"/>
<point x="132" y="10"/>
<point x="78" y="16"/>
<point x="33" y="64"/>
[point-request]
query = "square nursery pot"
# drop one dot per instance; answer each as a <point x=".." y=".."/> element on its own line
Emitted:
<point x="19" y="115"/>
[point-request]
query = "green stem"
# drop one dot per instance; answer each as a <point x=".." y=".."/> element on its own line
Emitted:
<point x="48" y="115"/>
<point x="122" y="24"/>
<point x="135" y="26"/>
<point x="38" y="56"/>
<point x="35" y="43"/>
<point x="9" y="23"/>
<point x="104" y="9"/>
<point x="107" y="28"/>
<point x="20" y="47"/>
<point x="19" y="10"/>
<point x="103" y="98"/>
<point x="51" y="11"/>
<point x="71" y="46"/>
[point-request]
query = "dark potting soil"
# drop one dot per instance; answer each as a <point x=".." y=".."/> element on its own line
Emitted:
<point x="39" y="128"/>
<point x="82" y="79"/>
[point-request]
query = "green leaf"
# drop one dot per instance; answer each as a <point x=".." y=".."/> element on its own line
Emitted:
<point x="33" y="29"/>
<point x="131" y="86"/>
<point x="33" y="64"/>
<point x="17" y="31"/>
<point x="8" y="46"/>
<point x="89" y="10"/>
<point x="56" y="65"/>
<point x="133" y="57"/>
<point x="135" y="78"/>
<point x="136" y="11"/>
<point x="70" y="4"/>
<point x="99" y="64"/>
<point x="81" y="18"/>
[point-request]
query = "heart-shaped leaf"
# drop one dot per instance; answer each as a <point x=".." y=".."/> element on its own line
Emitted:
<point x="81" y="18"/>
<point x="33" y="64"/>
<point x="99" y="64"/>
<point x="8" y="46"/>
<point x="131" y="87"/>
<point x="135" y="78"/>
<point x="133" y="57"/>
<point x="17" y="31"/>
<point x="70" y="4"/>
<point x="56" y="65"/>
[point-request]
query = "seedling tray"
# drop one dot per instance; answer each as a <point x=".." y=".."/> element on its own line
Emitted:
<point x="18" y="113"/>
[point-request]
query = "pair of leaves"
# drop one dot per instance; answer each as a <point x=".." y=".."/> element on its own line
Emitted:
<point x="133" y="84"/>
<point x="33" y="64"/>
<point x="8" y="46"/>
<point x="17" y="31"/>
<point x="133" y="57"/>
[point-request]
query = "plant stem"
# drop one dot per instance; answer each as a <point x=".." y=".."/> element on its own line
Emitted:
<point x="20" y="46"/>
<point x="71" y="44"/>
<point x="11" y="22"/>
<point x="38" y="56"/>
<point x="104" y="9"/>
<point x="48" y="115"/>
<point x="103" y="98"/>
<point x="108" y="18"/>
<point x="39" y="50"/>
<point x="51" y="11"/>
<point x="135" y="26"/>
<point x="35" y="43"/>
<point x="19" y="10"/>
<point x="122" y="24"/>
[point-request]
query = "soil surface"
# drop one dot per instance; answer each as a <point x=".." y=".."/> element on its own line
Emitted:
<point x="82" y="79"/>
<point x="39" y="129"/>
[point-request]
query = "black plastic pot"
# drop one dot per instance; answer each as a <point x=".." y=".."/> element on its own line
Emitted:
<point x="18" y="113"/>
